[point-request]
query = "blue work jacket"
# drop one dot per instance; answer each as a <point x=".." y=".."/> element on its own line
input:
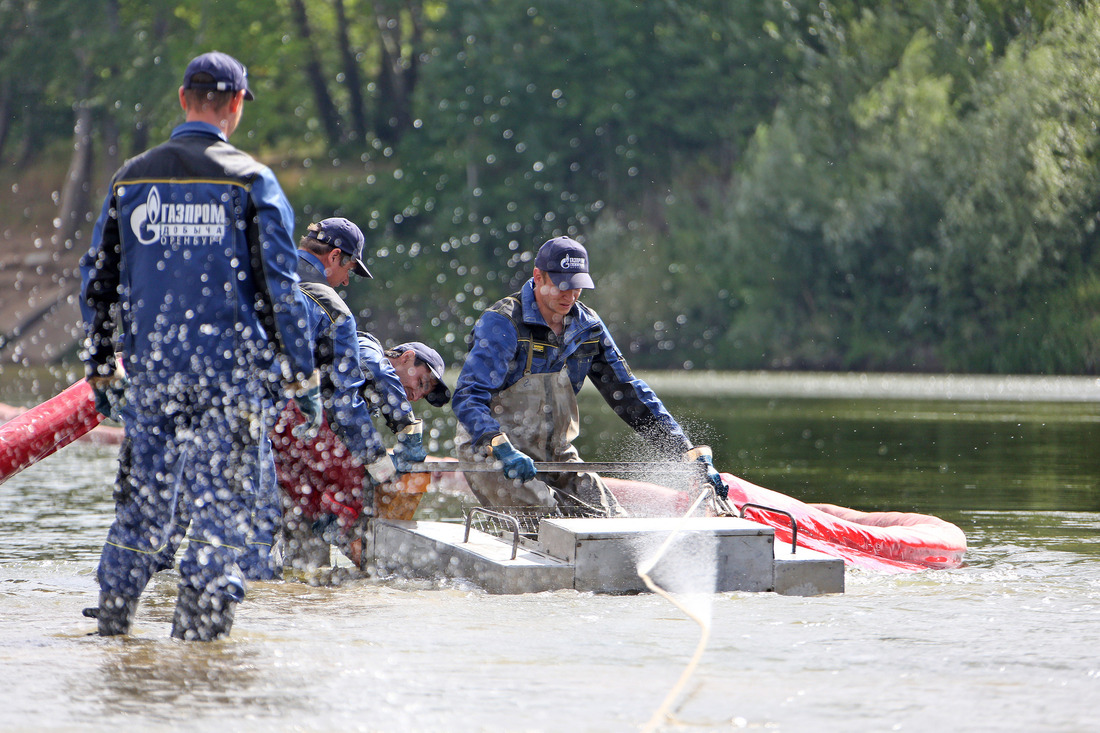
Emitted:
<point x="192" y="252"/>
<point x="383" y="390"/>
<point x="331" y="327"/>
<point x="512" y="327"/>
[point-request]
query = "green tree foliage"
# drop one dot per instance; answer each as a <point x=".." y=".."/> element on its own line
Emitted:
<point x="904" y="210"/>
<point x="879" y="184"/>
<point x="553" y="116"/>
<point x="1020" y="227"/>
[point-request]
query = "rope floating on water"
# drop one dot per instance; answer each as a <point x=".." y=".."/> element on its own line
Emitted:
<point x="643" y="572"/>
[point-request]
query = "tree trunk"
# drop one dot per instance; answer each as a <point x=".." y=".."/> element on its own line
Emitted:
<point x="397" y="70"/>
<point x="5" y="113"/>
<point x="112" y="143"/>
<point x="109" y="126"/>
<point x="352" y="80"/>
<point x="76" y="192"/>
<point x="330" y="116"/>
<point x="30" y="144"/>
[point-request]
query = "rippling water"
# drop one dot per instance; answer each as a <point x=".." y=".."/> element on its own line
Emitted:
<point x="1006" y="643"/>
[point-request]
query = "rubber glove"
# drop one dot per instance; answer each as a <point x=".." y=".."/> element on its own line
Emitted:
<point x="110" y="392"/>
<point x="515" y="463"/>
<point x="702" y="454"/>
<point x="410" y="446"/>
<point x="382" y="470"/>
<point x="307" y="395"/>
<point x="326" y="527"/>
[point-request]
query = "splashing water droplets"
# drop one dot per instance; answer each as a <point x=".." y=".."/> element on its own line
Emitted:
<point x="683" y="570"/>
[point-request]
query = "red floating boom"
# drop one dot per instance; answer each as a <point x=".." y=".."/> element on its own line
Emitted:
<point x="42" y="430"/>
<point x="885" y="541"/>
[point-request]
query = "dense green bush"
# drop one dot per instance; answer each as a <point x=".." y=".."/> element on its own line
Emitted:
<point x="817" y="185"/>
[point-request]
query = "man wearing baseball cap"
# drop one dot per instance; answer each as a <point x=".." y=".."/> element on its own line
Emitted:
<point x="515" y="398"/>
<point x="328" y="253"/>
<point x="395" y="378"/>
<point x="420" y="368"/>
<point x="172" y="267"/>
<point x="337" y="234"/>
<point x="217" y="72"/>
<point x="323" y="484"/>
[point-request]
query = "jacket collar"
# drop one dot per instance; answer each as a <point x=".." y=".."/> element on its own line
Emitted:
<point x="310" y="268"/>
<point x="532" y="316"/>
<point x="198" y="128"/>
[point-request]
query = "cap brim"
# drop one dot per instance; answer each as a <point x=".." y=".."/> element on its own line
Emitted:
<point x="248" y="95"/>
<point x="361" y="270"/>
<point x="571" y="280"/>
<point x="439" y="396"/>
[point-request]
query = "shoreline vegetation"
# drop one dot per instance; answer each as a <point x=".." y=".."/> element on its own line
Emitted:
<point x="879" y="385"/>
<point x="876" y="187"/>
<point x="28" y="386"/>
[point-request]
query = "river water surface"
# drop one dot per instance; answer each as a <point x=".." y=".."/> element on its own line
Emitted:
<point x="1011" y="641"/>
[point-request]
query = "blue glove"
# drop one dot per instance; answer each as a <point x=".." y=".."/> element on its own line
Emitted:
<point x="701" y="453"/>
<point x="326" y="527"/>
<point x="410" y="447"/>
<point x="309" y="403"/>
<point x="516" y="464"/>
<point x="110" y="393"/>
<point x="307" y="395"/>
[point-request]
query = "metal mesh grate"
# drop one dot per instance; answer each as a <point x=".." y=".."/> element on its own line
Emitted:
<point x="491" y="522"/>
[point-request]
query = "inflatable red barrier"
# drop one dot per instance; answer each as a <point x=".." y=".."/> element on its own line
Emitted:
<point x="645" y="499"/>
<point x="322" y="477"/>
<point x="42" y="430"/>
<point x="883" y="541"/>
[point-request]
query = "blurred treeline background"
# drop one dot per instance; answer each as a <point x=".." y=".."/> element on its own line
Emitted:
<point x="901" y="185"/>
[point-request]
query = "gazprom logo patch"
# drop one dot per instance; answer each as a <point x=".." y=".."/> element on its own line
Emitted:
<point x="573" y="263"/>
<point x="192" y="224"/>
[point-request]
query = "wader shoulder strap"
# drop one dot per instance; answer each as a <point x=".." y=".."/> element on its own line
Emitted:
<point x="333" y="306"/>
<point x="512" y="309"/>
<point x="327" y="298"/>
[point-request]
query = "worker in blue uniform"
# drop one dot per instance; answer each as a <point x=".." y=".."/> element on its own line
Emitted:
<point x="327" y="254"/>
<point x="393" y="380"/>
<point x="515" y="398"/>
<point x="397" y="377"/>
<point x="192" y="261"/>
<point x="326" y="500"/>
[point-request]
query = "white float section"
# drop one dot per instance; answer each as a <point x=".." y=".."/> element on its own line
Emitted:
<point x="606" y="552"/>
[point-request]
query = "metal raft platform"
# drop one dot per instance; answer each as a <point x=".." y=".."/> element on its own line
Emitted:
<point x="601" y="555"/>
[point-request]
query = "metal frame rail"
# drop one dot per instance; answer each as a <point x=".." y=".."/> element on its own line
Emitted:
<point x="510" y="520"/>
<point x="794" y="524"/>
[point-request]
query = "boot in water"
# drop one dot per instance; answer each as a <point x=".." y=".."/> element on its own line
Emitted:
<point x="202" y="617"/>
<point x="115" y="614"/>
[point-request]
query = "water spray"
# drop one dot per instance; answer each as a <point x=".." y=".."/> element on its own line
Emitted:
<point x="644" y="569"/>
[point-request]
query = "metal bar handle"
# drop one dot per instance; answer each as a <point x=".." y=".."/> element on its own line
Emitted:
<point x="496" y="515"/>
<point x="794" y="524"/>
<point x="639" y="467"/>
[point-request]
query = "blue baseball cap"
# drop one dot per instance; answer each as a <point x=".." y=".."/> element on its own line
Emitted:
<point x="431" y="359"/>
<point x="345" y="235"/>
<point x="565" y="261"/>
<point x="228" y="74"/>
